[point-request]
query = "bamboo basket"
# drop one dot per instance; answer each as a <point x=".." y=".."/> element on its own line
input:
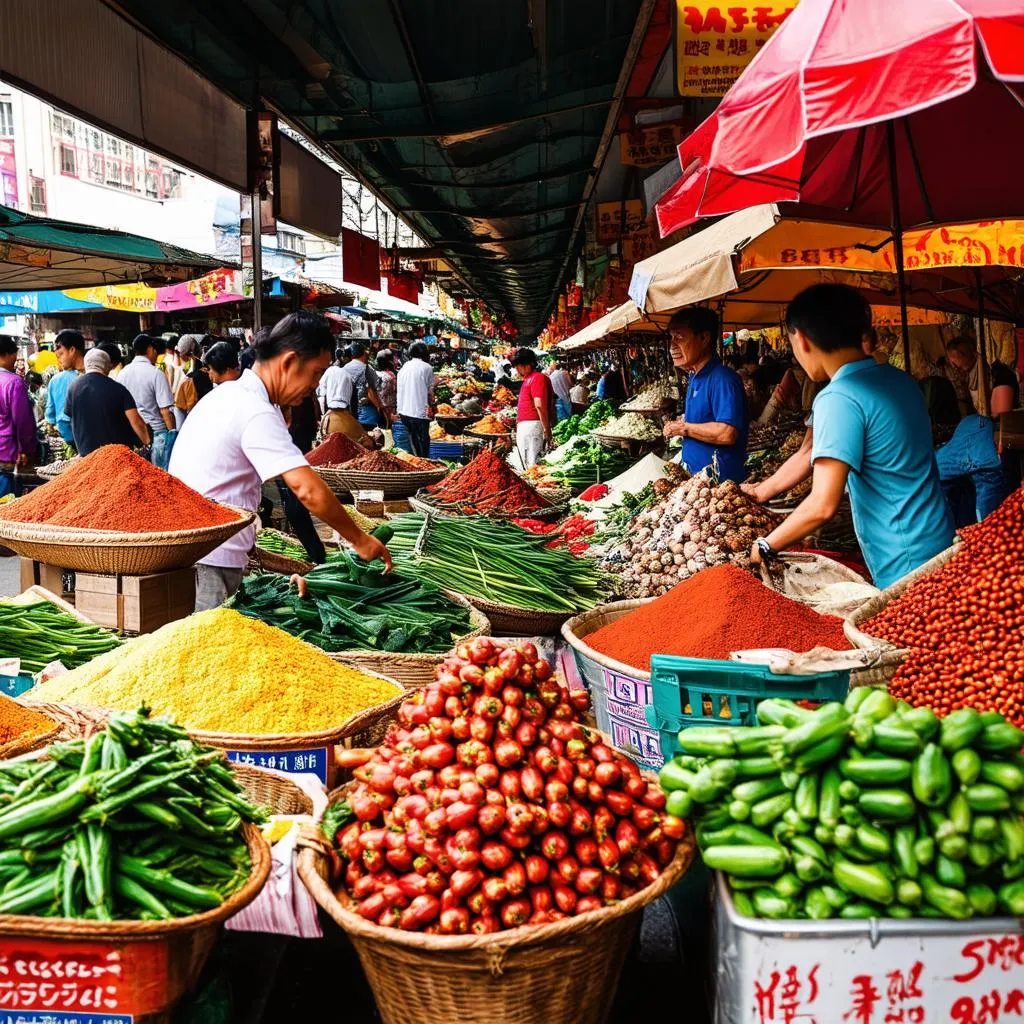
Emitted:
<point x="456" y="425"/>
<point x="582" y="625"/>
<point x="26" y="744"/>
<point x="266" y="789"/>
<point x="561" y="973"/>
<point x="113" y="552"/>
<point x="54" y="470"/>
<point x="394" y="485"/>
<point x="262" y="560"/>
<point x="509" y="621"/>
<point x="470" y="432"/>
<point x="413" y="670"/>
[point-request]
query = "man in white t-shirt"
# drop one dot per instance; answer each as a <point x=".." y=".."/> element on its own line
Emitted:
<point x="416" y="397"/>
<point x="236" y="439"/>
<point x="561" y="385"/>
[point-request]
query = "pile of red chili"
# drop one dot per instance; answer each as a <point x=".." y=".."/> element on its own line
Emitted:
<point x="379" y="462"/>
<point x="335" y="449"/>
<point x="115" y="489"/>
<point x="571" y="532"/>
<point x="964" y="623"/>
<point x="714" y="612"/>
<point x="488" y="485"/>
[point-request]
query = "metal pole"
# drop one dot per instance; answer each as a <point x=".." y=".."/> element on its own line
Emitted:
<point x="897" y="239"/>
<point x="256" y="230"/>
<point x="984" y="402"/>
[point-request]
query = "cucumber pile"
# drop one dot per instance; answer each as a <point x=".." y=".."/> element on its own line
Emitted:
<point x="870" y="808"/>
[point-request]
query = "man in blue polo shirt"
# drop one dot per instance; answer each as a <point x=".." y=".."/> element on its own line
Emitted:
<point x="871" y="435"/>
<point x="715" y="421"/>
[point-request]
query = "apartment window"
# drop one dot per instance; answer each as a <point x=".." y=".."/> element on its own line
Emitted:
<point x="37" y="194"/>
<point x="291" y="242"/>
<point x="6" y="118"/>
<point x="67" y="160"/>
<point x="152" y="179"/>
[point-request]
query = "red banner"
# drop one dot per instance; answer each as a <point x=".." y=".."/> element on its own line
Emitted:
<point x="360" y="259"/>
<point x="404" y="286"/>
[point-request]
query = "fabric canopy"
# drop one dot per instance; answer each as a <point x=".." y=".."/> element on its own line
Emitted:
<point x="622" y="319"/>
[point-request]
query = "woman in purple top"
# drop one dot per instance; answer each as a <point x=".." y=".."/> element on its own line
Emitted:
<point x="17" y="421"/>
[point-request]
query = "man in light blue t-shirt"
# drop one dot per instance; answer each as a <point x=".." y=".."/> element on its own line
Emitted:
<point x="871" y="435"/>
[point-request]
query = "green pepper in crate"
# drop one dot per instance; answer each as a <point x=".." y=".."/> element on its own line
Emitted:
<point x="867" y="881"/>
<point x="763" y="861"/>
<point x="880" y="771"/>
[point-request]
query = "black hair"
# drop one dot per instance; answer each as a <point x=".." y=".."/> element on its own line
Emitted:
<point x="170" y="344"/>
<point x="831" y="316"/>
<point x="70" y="338"/>
<point x="305" y="334"/>
<point x="142" y="344"/>
<point x="962" y="343"/>
<point x="417" y="350"/>
<point x="113" y="351"/>
<point x="699" y="319"/>
<point x="220" y="357"/>
<point x="8" y="346"/>
<point x="33" y="379"/>
<point x="525" y="357"/>
<point x="247" y="358"/>
<point x="356" y="349"/>
<point x="386" y="360"/>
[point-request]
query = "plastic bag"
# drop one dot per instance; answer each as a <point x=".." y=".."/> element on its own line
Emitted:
<point x="821" y="659"/>
<point x="827" y="586"/>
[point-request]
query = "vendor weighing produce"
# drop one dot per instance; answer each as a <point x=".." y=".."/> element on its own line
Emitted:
<point x="236" y="439"/>
<point x="871" y="435"/>
<point x="715" y="421"/>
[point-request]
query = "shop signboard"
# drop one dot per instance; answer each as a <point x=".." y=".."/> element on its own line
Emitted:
<point x="311" y="760"/>
<point x="617" y="220"/>
<point x="715" y="41"/>
<point x="650" y="146"/>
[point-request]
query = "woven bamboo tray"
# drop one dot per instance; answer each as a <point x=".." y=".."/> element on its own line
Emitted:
<point x="413" y="670"/>
<point x="423" y="502"/>
<point x="629" y="443"/>
<point x="580" y="626"/>
<point x="53" y="470"/>
<point x="561" y="973"/>
<point x="25" y="744"/>
<point x="393" y="485"/>
<point x="266" y="789"/>
<point x="262" y="560"/>
<point x="509" y="621"/>
<point x="469" y="432"/>
<point x="113" y="552"/>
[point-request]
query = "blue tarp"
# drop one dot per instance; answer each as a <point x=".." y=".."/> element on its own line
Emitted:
<point x="14" y="303"/>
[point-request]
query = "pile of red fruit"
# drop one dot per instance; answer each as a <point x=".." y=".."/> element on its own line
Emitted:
<point x="489" y="805"/>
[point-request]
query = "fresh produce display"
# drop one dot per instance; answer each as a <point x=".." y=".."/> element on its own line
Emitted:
<point x="444" y="409"/>
<point x="573" y="532"/>
<point x="584" y="462"/>
<point x="281" y="544"/>
<point x="502" y="398"/>
<point x="137" y="821"/>
<point x="491" y="425"/>
<point x="20" y="723"/>
<point x="718" y="607"/>
<point x="454" y="384"/>
<point x="652" y="398"/>
<point x="963" y="622"/>
<point x="220" y="671"/>
<point x="631" y="425"/>
<point x="600" y="412"/>
<point x="489" y="806"/>
<point x="487" y="485"/>
<point x="39" y="633"/>
<point x="867" y="809"/>
<point x="334" y="450"/>
<point x="349" y="605"/>
<point x="115" y="489"/>
<point x="495" y="561"/>
<point x="703" y="522"/>
<point x="566" y="429"/>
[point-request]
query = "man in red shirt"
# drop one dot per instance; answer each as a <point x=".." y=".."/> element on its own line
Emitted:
<point x="535" y="412"/>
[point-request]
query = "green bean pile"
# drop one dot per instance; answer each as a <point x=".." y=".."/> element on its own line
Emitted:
<point x="137" y="821"/>
<point x="40" y="633"/>
<point x="281" y="544"/>
<point x="495" y="561"/>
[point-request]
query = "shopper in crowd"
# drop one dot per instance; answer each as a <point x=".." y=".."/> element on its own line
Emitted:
<point x="535" y="412"/>
<point x="579" y="394"/>
<point x="871" y="436"/>
<point x="561" y="385"/>
<point x="116" y="357"/>
<point x="18" y="444"/>
<point x="153" y="398"/>
<point x="101" y="410"/>
<point x="236" y="440"/>
<point x="415" y="398"/>
<point x="37" y="394"/>
<point x="70" y="349"/>
<point x="365" y="386"/>
<point x="610" y="386"/>
<point x="714" y="422"/>
<point x="387" y="386"/>
<point x="336" y="394"/>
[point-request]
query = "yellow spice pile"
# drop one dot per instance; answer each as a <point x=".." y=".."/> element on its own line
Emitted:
<point x="220" y="671"/>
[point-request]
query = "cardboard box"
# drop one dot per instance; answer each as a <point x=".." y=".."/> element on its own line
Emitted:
<point x="136" y="604"/>
<point x="380" y="509"/>
<point x="40" y="574"/>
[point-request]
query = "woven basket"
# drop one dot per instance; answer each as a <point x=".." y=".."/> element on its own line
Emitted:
<point x="469" y="432"/>
<point x="629" y="443"/>
<point x="25" y="744"/>
<point x="426" y="503"/>
<point x="413" y="670"/>
<point x="580" y="626"/>
<point x="112" y="552"/>
<point x="455" y="425"/>
<point x="54" y="469"/>
<point x="509" y="621"/>
<point x="561" y="973"/>
<point x="394" y="485"/>
<point x="267" y="789"/>
<point x="189" y="939"/>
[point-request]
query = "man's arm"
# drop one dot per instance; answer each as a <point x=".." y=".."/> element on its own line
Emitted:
<point x="321" y="502"/>
<point x="168" y="417"/>
<point x="138" y="424"/>
<point x="815" y="510"/>
<point x="543" y="411"/>
<point x="795" y="470"/>
<point x="371" y="394"/>
<point x="51" y="405"/>
<point x="711" y="433"/>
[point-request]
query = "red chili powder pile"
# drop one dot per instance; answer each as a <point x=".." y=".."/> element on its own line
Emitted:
<point x="335" y="449"/>
<point x="379" y="462"/>
<point x="115" y="489"/>
<point x="714" y="612"/>
<point x="488" y="484"/>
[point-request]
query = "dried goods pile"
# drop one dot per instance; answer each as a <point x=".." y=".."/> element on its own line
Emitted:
<point x="20" y="723"/>
<point x="489" y="806"/>
<point x="115" y="489"/>
<point x="963" y="623"/>
<point x="39" y="632"/>
<point x="865" y="809"/>
<point x="137" y="821"/>
<point x="334" y="450"/>
<point x="491" y="425"/>
<point x="652" y="397"/>
<point x="715" y="612"/>
<point x="700" y="523"/>
<point x="502" y="398"/>
<point x="764" y="462"/>
<point x="487" y="485"/>
<point x="631" y="426"/>
<point x="219" y="671"/>
<point x="379" y="462"/>
<point x="771" y="435"/>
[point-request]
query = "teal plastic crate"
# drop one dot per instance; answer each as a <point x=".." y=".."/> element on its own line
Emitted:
<point x="15" y="686"/>
<point x="732" y="689"/>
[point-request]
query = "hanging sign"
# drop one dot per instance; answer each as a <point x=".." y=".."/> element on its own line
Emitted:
<point x="616" y="220"/>
<point x="716" y="41"/>
<point x="651" y="146"/>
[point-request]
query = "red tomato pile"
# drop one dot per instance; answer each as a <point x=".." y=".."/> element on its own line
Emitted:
<point x="489" y="806"/>
<point x="964" y="623"/>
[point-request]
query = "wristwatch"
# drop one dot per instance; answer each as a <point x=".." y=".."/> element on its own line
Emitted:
<point x="767" y="551"/>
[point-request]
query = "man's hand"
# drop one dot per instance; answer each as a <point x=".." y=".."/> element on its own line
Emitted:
<point x="369" y="548"/>
<point x="755" y="491"/>
<point x="675" y="428"/>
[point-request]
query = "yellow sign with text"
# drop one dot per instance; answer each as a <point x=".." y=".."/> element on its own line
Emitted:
<point x="617" y="220"/>
<point x="715" y="41"/>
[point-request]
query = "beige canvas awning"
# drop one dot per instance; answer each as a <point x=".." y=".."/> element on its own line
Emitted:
<point x="626" y="318"/>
